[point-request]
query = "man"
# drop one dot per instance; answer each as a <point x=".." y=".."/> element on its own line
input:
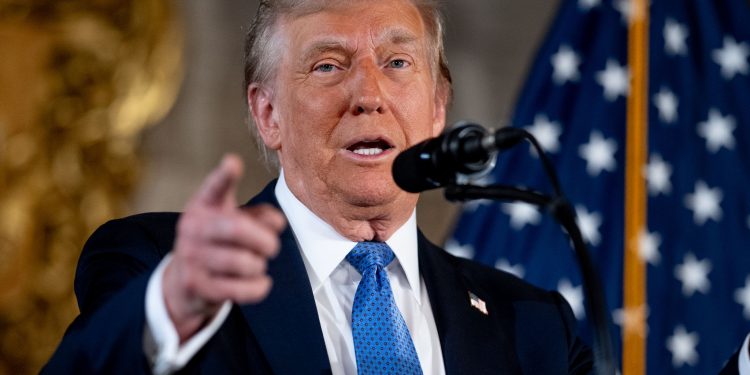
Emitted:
<point x="336" y="89"/>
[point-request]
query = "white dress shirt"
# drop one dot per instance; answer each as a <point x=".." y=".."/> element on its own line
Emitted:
<point x="744" y="358"/>
<point x="333" y="282"/>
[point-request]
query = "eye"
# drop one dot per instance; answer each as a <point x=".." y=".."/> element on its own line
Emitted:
<point x="398" y="64"/>
<point x="325" y="68"/>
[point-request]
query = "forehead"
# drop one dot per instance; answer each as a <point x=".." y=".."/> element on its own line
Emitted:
<point x="351" y="21"/>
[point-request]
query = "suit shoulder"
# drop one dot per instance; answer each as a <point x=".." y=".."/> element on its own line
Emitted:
<point x="491" y="281"/>
<point x="120" y="250"/>
<point x="148" y="222"/>
<point x="143" y="237"/>
<point x="544" y="317"/>
<point x="157" y="228"/>
<point x="500" y="282"/>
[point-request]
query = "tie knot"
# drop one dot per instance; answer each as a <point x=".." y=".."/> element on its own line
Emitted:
<point x="368" y="254"/>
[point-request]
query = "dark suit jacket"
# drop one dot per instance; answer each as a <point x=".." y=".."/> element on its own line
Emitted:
<point x="527" y="330"/>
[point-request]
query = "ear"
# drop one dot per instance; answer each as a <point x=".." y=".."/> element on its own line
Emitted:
<point x="442" y="94"/>
<point x="259" y="100"/>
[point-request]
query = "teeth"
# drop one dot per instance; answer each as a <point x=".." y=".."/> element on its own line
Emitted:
<point x="368" y="151"/>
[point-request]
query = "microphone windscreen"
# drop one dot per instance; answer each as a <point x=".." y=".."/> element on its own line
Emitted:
<point x="411" y="170"/>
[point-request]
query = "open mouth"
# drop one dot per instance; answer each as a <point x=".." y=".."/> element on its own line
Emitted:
<point x="370" y="148"/>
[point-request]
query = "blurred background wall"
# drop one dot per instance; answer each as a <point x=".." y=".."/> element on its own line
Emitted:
<point x="112" y="107"/>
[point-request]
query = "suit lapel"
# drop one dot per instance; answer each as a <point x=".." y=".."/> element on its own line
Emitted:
<point x="286" y="323"/>
<point x="471" y="342"/>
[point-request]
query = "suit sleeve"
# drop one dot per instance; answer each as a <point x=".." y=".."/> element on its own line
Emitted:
<point x="110" y="285"/>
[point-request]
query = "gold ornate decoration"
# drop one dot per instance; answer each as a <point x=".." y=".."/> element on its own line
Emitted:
<point x="79" y="81"/>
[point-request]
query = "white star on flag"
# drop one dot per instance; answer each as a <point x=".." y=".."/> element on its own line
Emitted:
<point x="658" y="173"/>
<point x="683" y="347"/>
<point x="666" y="102"/>
<point x="717" y="131"/>
<point x="693" y="274"/>
<point x="648" y="247"/>
<point x="587" y="4"/>
<point x="632" y="319"/>
<point x="472" y="205"/>
<point x="463" y="251"/>
<point x="574" y="296"/>
<point x="732" y="57"/>
<point x="615" y="79"/>
<point x="589" y="223"/>
<point x="626" y="9"/>
<point x="546" y="132"/>
<point x="515" y="269"/>
<point x="705" y="203"/>
<point x="565" y="65"/>
<point x="742" y="296"/>
<point x="521" y="214"/>
<point x="599" y="154"/>
<point x="675" y="35"/>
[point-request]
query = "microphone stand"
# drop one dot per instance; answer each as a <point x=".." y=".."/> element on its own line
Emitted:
<point x="559" y="207"/>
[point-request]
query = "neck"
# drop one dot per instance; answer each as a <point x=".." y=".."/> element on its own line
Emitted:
<point x="357" y="220"/>
<point x="362" y="223"/>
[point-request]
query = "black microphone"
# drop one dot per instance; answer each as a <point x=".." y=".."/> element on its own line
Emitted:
<point x="464" y="149"/>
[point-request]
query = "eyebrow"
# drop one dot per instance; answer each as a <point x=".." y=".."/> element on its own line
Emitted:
<point x="323" y="46"/>
<point x="402" y="38"/>
<point x="397" y="36"/>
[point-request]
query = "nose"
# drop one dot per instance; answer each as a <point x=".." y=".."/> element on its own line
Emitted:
<point x="367" y="94"/>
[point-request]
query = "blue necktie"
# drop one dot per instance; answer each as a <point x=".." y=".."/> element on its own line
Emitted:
<point x="382" y="342"/>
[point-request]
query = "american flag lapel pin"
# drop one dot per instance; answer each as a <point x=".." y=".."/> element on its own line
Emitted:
<point x="477" y="303"/>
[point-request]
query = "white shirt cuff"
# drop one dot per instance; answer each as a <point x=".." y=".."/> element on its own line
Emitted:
<point x="744" y="358"/>
<point x="164" y="349"/>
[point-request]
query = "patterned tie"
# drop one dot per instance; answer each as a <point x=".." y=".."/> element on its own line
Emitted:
<point x="382" y="342"/>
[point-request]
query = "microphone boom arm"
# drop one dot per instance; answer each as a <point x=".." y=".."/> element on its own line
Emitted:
<point x="563" y="212"/>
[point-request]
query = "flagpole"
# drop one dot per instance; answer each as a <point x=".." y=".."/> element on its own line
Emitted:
<point x="634" y="283"/>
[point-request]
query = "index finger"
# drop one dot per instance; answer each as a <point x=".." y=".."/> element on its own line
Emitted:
<point x="221" y="183"/>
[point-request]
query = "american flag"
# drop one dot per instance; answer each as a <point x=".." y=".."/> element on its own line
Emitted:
<point x="696" y="241"/>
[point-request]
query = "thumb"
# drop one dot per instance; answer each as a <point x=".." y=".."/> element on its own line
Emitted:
<point x="221" y="184"/>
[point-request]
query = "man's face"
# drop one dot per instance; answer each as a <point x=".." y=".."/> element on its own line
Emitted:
<point x="353" y="89"/>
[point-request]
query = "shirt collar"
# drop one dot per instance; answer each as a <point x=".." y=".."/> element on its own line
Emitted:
<point x="323" y="248"/>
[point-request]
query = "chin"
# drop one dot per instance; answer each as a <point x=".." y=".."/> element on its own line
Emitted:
<point x="368" y="194"/>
